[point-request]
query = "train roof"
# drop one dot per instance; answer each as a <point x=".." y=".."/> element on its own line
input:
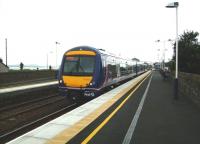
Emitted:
<point x="98" y="51"/>
<point x="83" y="48"/>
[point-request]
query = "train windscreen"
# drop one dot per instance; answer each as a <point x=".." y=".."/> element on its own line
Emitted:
<point x="79" y="65"/>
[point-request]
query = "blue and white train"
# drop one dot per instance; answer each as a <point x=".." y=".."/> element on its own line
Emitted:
<point x="85" y="71"/>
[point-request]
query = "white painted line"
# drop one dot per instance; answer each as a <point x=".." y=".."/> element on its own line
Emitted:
<point x="132" y="127"/>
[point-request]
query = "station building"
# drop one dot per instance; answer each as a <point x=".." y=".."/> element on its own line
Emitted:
<point x="3" y="67"/>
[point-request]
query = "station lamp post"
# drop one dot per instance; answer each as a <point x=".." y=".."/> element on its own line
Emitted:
<point x="6" y="43"/>
<point x="163" y="53"/>
<point x="175" y="5"/>
<point x="57" y="43"/>
<point x="48" y="59"/>
<point x="159" y="58"/>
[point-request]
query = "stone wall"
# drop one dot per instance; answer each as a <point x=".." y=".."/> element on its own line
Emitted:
<point x="189" y="85"/>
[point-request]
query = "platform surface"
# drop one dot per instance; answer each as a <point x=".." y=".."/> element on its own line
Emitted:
<point x="151" y="115"/>
<point x="25" y="87"/>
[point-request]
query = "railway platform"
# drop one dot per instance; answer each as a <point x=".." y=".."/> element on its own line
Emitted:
<point x="27" y="86"/>
<point x="140" y="111"/>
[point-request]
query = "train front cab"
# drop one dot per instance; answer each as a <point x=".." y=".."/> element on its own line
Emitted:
<point x="79" y="74"/>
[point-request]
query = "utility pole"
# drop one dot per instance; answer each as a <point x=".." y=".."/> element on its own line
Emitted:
<point x="6" y="52"/>
<point x="47" y="61"/>
<point x="57" y="43"/>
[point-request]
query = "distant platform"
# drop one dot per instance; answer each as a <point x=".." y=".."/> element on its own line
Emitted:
<point x="26" y="87"/>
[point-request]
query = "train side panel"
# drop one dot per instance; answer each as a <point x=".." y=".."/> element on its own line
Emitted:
<point x="117" y="70"/>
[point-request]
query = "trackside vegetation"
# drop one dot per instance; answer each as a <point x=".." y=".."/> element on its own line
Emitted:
<point x="188" y="53"/>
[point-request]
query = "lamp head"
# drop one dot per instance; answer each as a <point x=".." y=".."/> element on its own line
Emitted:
<point x="172" y="5"/>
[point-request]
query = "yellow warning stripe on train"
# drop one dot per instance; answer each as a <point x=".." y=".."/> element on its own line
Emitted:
<point x="77" y="81"/>
<point x="81" y="52"/>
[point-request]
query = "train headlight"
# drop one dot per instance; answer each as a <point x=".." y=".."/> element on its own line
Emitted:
<point x="60" y="81"/>
<point x="92" y="83"/>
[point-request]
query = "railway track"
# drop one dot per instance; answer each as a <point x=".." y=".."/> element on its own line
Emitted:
<point x="27" y="107"/>
<point x="19" y="114"/>
<point x="10" y="107"/>
<point x="27" y="127"/>
<point x="17" y="98"/>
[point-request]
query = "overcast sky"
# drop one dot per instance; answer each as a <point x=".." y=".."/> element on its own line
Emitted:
<point x="128" y="28"/>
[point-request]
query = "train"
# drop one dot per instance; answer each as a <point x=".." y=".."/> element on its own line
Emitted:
<point x="85" y="71"/>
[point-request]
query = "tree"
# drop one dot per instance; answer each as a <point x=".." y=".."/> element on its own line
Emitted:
<point x="188" y="52"/>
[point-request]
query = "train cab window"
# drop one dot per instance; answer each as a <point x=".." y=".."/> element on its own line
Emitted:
<point x="87" y="64"/>
<point x="79" y="65"/>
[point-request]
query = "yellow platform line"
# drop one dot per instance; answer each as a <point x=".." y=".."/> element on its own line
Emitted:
<point x="111" y="115"/>
<point x="72" y="131"/>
